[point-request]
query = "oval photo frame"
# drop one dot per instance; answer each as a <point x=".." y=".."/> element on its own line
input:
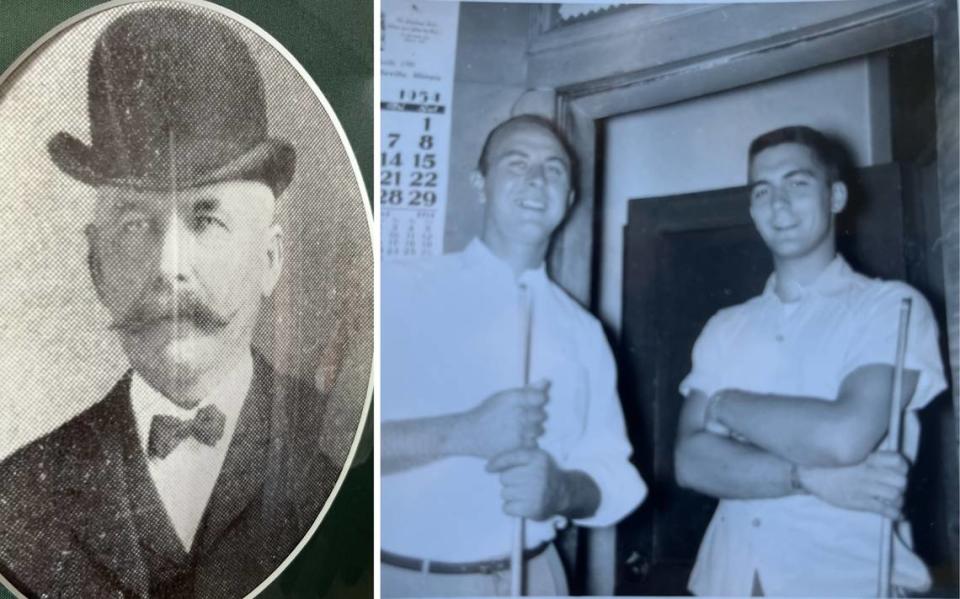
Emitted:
<point x="77" y="514"/>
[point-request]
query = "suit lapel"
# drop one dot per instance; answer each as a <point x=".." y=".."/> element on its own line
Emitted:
<point x="247" y="463"/>
<point x="95" y="490"/>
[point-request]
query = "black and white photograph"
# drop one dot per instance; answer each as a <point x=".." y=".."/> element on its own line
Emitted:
<point x="186" y="315"/>
<point x="669" y="299"/>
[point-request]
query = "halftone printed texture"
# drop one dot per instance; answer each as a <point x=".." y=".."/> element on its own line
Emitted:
<point x="57" y="356"/>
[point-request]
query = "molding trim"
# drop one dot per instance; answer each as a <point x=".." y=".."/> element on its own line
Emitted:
<point x="863" y="28"/>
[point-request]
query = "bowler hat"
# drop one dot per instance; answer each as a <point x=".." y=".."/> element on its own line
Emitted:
<point x="175" y="101"/>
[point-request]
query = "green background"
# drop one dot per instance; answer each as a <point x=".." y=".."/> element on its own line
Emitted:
<point x="333" y="40"/>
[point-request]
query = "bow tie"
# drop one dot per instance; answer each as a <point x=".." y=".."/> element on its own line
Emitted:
<point x="166" y="432"/>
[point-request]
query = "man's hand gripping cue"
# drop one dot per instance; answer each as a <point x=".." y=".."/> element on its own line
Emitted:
<point x="532" y="485"/>
<point x="874" y="485"/>
<point x="506" y="421"/>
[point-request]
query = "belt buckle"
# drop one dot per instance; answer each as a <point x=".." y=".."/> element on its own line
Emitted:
<point x="425" y="566"/>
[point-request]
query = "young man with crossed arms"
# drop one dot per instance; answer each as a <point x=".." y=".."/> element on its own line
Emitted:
<point x="789" y="399"/>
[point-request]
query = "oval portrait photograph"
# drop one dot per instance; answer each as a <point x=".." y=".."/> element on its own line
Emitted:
<point x="186" y="314"/>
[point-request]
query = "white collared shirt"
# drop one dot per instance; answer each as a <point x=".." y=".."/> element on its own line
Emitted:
<point x="185" y="478"/>
<point x="452" y="335"/>
<point x="801" y="545"/>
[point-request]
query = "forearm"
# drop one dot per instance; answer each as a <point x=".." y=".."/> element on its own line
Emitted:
<point x="502" y="422"/>
<point x="727" y="469"/>
<point x="802" y="430"/>
<point x="813" y="431"/>
<point x="406" y="444"/>
<point x="730" y="470"/>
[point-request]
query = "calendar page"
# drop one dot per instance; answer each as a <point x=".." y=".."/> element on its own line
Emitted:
<point x="418" y="49"/>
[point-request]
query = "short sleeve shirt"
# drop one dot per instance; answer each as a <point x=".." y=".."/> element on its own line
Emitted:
<point x="453" y="334"/>
<point x="801" y="545"/>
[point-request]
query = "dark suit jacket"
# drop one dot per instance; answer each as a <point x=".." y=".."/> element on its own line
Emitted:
<point x="70" y="523"/>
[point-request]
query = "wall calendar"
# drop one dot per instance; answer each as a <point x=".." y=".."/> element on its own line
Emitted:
<point x="418" y="49"/>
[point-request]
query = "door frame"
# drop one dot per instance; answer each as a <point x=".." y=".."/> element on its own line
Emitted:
<point x="591" y="86"/>
<point x="579" y="105"/>
<point x="850" y="30"/>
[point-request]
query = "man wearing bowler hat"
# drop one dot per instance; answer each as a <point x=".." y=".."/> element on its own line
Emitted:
<point x="198" y="473"/>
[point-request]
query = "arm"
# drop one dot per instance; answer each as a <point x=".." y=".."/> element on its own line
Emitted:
<point x="844" y="431"/>
<point x="602" y="451"/>
<point x="727" y="469"/>
<point x="721" y="467"/>
<point x="411" y="443"/>
<point x="502" y="422"/>
<point x="712" y="462"/>
<point x="812" y="431"/>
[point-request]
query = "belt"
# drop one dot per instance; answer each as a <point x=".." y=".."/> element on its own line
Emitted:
<point x="437" y="567"/>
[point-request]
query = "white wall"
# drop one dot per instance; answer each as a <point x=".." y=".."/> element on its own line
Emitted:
<point x="701" y="144"/>
<point x="491" y="74"/>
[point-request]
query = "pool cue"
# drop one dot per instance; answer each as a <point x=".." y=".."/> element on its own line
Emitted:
<point x="517" y="543"/>
<point x="893" y="444"/>
<point x="516" y="559"/>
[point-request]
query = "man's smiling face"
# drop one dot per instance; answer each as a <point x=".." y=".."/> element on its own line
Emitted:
<point x="183" y="273"/>
<point x="526" y="187"/>
<point x="792" y="200"/>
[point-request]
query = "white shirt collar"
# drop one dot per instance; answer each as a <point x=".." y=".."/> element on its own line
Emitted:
<point x="228" y="397"/>
<point x="479" y="255"/>
<point x="832" y="280"/>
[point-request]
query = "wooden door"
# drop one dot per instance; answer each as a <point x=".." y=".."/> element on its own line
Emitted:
<point x="686" y="257"/>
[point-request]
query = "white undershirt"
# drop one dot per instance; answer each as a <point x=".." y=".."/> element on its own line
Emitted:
<point x="186" y="477"/>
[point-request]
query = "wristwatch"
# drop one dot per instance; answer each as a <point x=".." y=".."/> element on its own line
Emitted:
<point x="711" y="406"/>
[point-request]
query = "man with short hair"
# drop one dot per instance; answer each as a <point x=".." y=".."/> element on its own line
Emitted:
<point x="789" y="398"/>
<point x="196" y="475"/>
<point x="469" y="443"/>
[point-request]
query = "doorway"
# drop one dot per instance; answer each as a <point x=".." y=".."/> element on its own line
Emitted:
<point x="667" y="296"/>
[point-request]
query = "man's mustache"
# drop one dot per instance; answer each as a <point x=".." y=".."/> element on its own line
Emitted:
<point x="184" y="308"/>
